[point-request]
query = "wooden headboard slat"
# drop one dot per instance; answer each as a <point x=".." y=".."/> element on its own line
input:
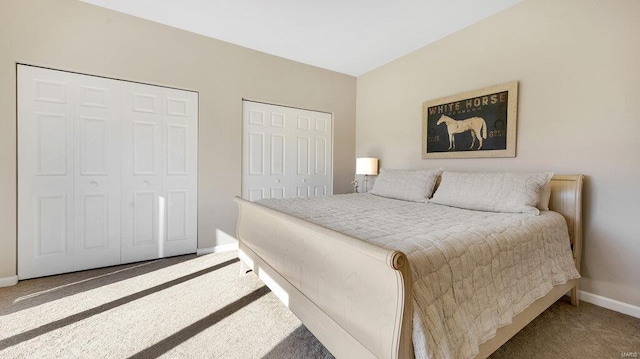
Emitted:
<point x="566" y="199"/>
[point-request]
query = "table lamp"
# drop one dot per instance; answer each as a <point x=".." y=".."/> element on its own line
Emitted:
<point x="366" y="166"/>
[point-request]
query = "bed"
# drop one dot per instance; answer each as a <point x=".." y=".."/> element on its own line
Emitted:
<point x="356" y="296"/>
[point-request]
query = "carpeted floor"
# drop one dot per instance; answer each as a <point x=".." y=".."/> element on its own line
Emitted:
<point x="199" y="307"/>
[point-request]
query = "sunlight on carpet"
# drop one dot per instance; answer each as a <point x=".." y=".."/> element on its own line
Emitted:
<point x="199" y="307"/>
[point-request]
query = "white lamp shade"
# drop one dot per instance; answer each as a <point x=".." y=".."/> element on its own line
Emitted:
<point x="366" y="166"/>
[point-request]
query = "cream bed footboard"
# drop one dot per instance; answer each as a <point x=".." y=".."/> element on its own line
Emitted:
<point x="350" y="294"/>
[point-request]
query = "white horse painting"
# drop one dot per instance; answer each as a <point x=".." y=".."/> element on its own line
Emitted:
<point x="476" y="125"/>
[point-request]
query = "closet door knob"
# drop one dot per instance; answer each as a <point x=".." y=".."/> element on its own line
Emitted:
<point x="94" y="184"/>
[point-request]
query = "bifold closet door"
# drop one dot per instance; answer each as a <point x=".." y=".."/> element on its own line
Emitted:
<point x="311" y="140"/>
<point x="159" y="182"/>
<point x="265" y="169"/>
<point x="180" y="194"/>
<point x="69" y="172"/>
<point x="141" y="172"/>
<point x="107" y="172"/>
<point x="287" y="152"/>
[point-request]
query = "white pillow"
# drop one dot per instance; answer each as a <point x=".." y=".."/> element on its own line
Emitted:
<point x="415" y="186"/>
<point x="545" y="196"/>
<point x="494" y="192"/>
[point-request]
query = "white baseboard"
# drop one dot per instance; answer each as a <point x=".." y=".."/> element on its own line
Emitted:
<point x="218" y="249"/>
<point x="8" y="281"/>
<point x="612" y="304"/>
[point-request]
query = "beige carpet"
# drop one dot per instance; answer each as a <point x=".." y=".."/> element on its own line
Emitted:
<point x="199" y="307"/>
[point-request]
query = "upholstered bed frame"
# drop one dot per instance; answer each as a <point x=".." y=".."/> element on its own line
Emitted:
<point x="355" y="297"/>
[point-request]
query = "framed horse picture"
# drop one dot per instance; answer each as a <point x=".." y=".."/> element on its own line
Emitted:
<point x="480" y="123"/>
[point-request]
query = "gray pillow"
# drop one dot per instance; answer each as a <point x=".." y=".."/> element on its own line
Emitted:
<point x="493" y="192"/>
<point x="407" y="185"/>
<point x="545" y="196"/>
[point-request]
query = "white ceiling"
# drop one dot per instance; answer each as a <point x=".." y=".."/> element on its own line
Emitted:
<point x="347" y="36"/>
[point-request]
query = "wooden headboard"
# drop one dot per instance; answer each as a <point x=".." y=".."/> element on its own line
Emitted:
<point x="566" y="199"/>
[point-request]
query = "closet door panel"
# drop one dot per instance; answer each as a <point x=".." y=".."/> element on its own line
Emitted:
<point x="97" y="172"/>
<point x="45" y="173"/>
<point x="179" y="202"/>
<point x="312" y="158"/>
<point x="142" y="168"/>
<point x="265" y="166"/>
<point x="303" y="162"/>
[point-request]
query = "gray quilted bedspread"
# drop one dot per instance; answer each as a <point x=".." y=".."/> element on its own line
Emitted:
<point x="472" y="271"/>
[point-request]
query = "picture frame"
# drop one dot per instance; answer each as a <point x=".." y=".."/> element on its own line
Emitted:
<point x="479" y="123"/>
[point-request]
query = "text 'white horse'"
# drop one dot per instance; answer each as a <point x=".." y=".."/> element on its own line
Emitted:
<point x="476" y="125"/>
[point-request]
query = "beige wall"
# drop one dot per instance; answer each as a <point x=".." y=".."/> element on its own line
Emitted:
<point x="70" y="35"/>
<point x="577" y="63"/>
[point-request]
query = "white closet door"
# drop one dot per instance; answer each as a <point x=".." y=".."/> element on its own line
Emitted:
<point x="68" y="172"/>
<point x="312" y="157"/>
<point x="264" y="166"/>
<point x="180" y="197"/>
<point x="97" y="172"/>
<point x="160" y="166"/>
<point x="142" y="168"/>
<point x="287" y="152"/>
<point x="107" y="172"/>
<point x="45" y="171"/>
